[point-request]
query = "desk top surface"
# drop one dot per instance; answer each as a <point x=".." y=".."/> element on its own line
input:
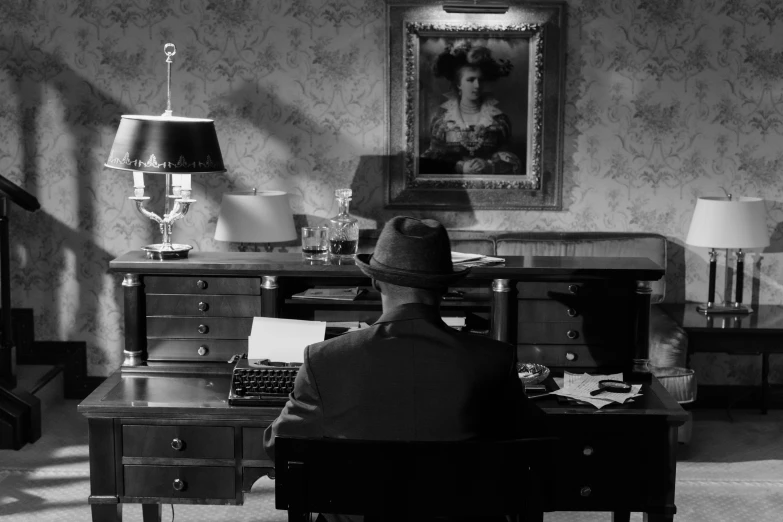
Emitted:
<point x="166" y="395"/>
<point x="292" y="264"/>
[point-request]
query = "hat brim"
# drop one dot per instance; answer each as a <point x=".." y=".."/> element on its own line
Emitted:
<point x="406" y="278"/>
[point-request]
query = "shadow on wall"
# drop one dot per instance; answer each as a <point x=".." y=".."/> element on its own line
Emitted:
<point x="54" y="250"/>
<point x="675" y="272"/>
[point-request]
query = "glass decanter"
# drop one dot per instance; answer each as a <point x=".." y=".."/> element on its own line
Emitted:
<point x="343" y="229"/>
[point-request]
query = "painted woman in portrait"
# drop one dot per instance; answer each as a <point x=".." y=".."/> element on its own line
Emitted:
<point x="469" y="133"/>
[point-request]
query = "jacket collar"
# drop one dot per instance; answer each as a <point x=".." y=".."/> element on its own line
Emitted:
<point x="410" y="311"/>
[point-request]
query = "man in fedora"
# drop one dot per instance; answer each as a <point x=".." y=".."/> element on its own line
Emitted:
<point x="409" y="376"/>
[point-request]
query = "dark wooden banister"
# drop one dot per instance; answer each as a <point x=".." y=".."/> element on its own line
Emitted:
<point x="16" y="194"/>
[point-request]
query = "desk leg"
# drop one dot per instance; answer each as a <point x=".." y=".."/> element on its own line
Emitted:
<point x="151" y="512"/>
<point x="106" y="512"/>
<point x="764" y="382"/>
<point x="103" y="486"/>
<point x="621" y="516"/>
<point x="670" y="481"/>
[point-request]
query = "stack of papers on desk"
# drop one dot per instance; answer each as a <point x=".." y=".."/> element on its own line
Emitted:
<point x="460" y="259"/>
<point x="330" y="293"/>
<point x="578" y="387"/>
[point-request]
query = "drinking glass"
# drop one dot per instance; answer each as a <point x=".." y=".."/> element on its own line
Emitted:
<point x="315" y="243"/>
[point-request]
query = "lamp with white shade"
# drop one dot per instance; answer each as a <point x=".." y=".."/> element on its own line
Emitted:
<point x="728" y="223"/>
<point x="262" y="216"/>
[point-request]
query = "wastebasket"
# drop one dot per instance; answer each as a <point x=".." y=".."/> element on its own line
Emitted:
<point x="681" y="385"/>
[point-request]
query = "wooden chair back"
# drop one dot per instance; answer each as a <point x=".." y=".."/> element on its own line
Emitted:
<point x="403" y="480"/>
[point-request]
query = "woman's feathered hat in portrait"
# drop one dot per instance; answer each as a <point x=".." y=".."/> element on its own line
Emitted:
<point x="462" y="54"/>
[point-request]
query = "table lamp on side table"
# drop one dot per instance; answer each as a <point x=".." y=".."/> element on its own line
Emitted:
<point x="171" y="145"/>
<point x="723" y="222"/>
<point x="262" y="216"/>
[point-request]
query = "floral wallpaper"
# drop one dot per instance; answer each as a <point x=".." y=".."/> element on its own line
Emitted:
<point x="666" y="100"/>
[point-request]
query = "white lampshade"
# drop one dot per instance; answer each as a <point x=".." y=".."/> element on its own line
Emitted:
<point x="261" y="217"/>
<point x="721" y="222"/>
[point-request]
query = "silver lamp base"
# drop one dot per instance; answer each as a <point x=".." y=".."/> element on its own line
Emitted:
<point x="162" y="251"/>
<point x="729" y="309"/>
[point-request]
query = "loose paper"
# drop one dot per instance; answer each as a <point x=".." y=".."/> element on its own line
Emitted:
<point x="579" y="387"/>
<point x="283" y="340"/>
<point x="462" y="259"/>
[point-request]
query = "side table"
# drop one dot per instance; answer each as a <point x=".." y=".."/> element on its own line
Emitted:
<point x="758" y="333"/>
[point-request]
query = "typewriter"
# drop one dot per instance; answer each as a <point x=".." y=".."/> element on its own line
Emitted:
<point x="261" y="382"/>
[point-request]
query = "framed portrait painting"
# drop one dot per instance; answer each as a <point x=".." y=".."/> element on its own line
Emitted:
<point x="476" y="107"/>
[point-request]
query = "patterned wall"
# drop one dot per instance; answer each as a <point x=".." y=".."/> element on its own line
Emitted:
<point x="666" y="100"/>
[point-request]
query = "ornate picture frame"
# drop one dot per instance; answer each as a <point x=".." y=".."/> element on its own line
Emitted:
<point x="503" y="151"/>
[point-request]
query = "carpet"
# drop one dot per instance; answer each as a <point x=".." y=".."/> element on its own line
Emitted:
<point x="731" y="471"/>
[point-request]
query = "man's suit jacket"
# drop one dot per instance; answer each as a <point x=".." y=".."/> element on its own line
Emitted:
<point x="409" y="376"/>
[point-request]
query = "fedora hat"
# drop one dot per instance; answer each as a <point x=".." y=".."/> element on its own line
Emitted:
<point x="412" y="252"/>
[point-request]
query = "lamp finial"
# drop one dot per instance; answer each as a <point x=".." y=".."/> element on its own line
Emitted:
<point x="169" y="54"/>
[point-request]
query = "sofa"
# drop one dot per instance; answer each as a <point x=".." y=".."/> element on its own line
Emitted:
<point x="668" y="341"/>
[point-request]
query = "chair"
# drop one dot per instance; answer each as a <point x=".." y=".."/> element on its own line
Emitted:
<point x="402" y="480"/>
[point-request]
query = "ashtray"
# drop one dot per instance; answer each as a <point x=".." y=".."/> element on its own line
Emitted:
<point x="532" y="373"/>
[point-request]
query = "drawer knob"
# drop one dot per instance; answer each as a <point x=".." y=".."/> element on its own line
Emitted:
<point x="202" y="328"/>
<point x="587" y="451"/>
<point x="177" y="444"/>
<point x="201" y="284"/>
<point x="574" y="289"/>
<point x="572" y="312"/>
<point x="203" y="307"/>
<point x="572" y="334"/>
<point x="585" y="491"/>
<point x="571" y="356"/>
<point x="203" y="350"/>
<point x="178" y="485"/>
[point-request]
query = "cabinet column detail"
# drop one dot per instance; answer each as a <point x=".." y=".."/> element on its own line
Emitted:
<point x="269" y="296"/>
<point x="641" y="355"/>
<point x="501" y="291"/>
<point x="135" y="330"/>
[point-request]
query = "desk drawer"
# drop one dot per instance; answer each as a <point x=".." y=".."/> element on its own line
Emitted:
<point x="202" y="285"/>
<point x="557" y="290"/>
<point x="572" y="356"/>
<point x="568" y="333"/>
<point x="205" y="350"/>
<point x="204" y="305"/>
<point x="201" y="482"/>
<point x="574" y="310"/>
<point x="194" y="442"/>
<point x="602" y="471"/>
<point x="200" y="327"/>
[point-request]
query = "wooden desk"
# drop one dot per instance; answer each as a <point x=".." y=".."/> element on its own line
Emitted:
<point x="161" y="430"/>
<point x="759" y="333"/>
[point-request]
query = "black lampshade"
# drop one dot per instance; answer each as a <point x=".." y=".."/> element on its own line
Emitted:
<point x="166" y="145"/>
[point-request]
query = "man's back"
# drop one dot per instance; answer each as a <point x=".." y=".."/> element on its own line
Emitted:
<point x="407" y="377"/>
<point x="411" y="377"/>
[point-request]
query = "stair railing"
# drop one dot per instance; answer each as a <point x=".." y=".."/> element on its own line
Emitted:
<point x="19" y="196"/>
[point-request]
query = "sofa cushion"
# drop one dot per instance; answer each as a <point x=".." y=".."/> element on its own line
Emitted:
<point x="589" y="244"/>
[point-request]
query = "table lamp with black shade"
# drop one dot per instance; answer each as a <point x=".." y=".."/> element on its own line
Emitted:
<point x="172" y="145"/>
<point x="257" y="216"/>
<point x="728" y="223"/>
